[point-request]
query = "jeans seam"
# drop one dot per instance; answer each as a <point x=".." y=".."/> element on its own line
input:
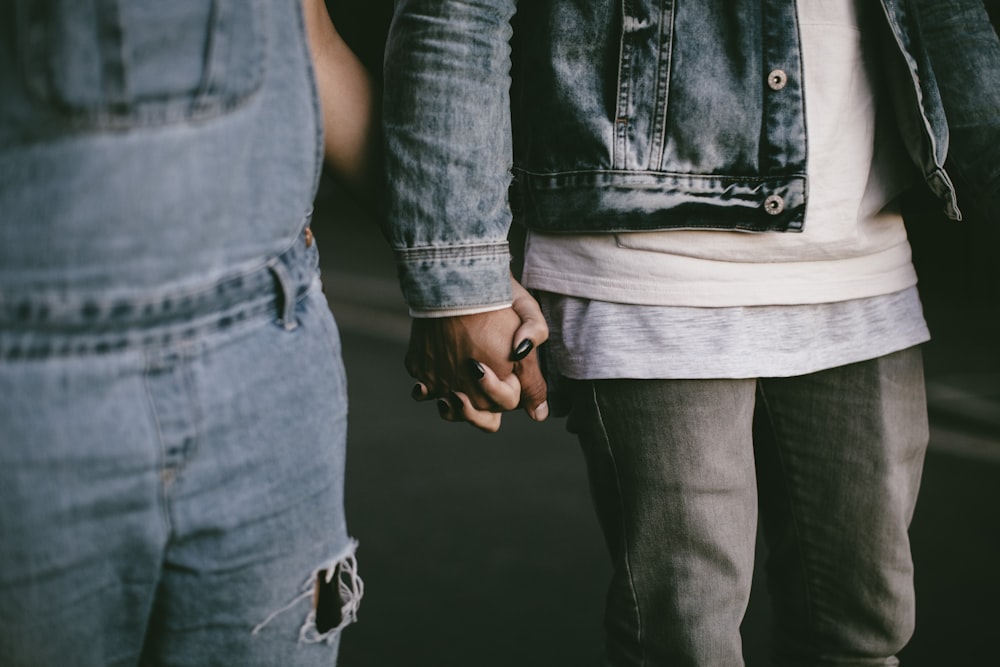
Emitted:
<point x="793" y="516"/>
<point x="155" y="419"/>
<point x="195" y="405"/>
<point x="621" y="509"/>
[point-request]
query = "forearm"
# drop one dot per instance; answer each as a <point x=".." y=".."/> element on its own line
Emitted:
<point x="446" y="125"/>
<point x="349" y="102"/>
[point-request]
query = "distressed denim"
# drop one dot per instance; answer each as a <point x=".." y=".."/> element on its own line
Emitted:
<point x="172" y="396"/>
<point x="631" y="116"/>
<point x="678" y="469"/>
<point x="171" y="474"/>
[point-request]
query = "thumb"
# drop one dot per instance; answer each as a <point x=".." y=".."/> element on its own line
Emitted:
<point x="533" y="327"/>
<point x="534" y="391"/>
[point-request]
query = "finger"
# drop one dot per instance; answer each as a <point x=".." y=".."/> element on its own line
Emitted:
<point x="522" y="349"/>
<point x="533" y="327"/>
<point x="495" y="394"/>
<point x="420" y="392"/>
<point x="528" y="336"/>
<point x="426" y="380"/>
<point x="484" y="420"/>
<point x="417" y="367"/>
<point x="448" y="409"/>
<point x="534" y="391"/>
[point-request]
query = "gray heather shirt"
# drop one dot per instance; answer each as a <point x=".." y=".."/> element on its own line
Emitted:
<point x="599" y="339"/>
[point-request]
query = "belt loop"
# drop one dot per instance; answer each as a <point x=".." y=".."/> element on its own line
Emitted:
<point x="286" y="296"/>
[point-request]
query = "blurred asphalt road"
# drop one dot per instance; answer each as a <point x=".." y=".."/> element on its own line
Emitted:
<point x="482" y="550"/>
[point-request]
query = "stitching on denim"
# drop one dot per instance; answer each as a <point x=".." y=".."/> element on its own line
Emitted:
<point x="628" y="566"/>
<point x="664" y="66"/>
<point x="601" y="174"/>
<point x="195" y="406"/>
<point x="230" y="300"/>
<point x="288" y="300"/>
<point x="498" y="250"/>
<point x="203" y="103"/>
<point x="155" y="419"/>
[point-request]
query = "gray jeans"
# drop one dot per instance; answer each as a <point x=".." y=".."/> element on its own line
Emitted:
<point x="678" y="470"/>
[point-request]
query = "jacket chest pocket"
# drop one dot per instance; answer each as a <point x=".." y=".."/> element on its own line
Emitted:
<point x="122" y="63"/>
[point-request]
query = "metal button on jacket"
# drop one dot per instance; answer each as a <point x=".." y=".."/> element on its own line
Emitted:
<point x="777" y="79"/>
<point x="774" y="204"/>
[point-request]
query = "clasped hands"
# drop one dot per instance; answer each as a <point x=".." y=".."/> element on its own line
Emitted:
<point x="479" y="366"/>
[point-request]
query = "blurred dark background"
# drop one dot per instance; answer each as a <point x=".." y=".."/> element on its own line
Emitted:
<point x="482" y="550"/>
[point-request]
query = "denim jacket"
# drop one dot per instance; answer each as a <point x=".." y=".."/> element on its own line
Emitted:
<point x="643" y="115"/>
<point x="964" y="49"/>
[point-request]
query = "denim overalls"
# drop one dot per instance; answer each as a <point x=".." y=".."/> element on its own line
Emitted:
<point x="172" y="397"/>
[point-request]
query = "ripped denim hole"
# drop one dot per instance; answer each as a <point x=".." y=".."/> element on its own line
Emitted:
<point x="336" y="591"/>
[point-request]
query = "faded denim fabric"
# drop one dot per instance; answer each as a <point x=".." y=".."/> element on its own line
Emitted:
<point x="654" y="114"/>
<point x="178" y="112"/>
<point x="683" y="114"/>
<point x="171" y="475"/>
<point x="964" y="51"/>
<point x="448" y="151"/>
<point x="677" y="468"/>
<point x="172" y="396"/>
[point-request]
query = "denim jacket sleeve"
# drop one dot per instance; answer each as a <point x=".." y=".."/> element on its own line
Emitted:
<point x="447" y="134"/>
<point x="964" y="53"/>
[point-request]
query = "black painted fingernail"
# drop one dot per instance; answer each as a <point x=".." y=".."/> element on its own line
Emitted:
<point x="523" y="348"/>
<point x="476" y="369"/>
<point x="418" y="391"/>
<point x="444" y="408"/>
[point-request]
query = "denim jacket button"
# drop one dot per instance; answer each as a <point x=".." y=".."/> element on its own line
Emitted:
<point x="777" y="79"/>
<point x="774" y="205"/>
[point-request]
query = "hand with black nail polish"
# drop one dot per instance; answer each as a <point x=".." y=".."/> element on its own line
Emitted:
<point x="488" y="360"/>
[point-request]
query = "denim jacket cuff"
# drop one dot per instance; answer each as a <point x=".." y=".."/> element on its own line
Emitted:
<point x="453" y="277"/>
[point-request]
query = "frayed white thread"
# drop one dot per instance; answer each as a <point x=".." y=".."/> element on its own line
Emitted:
<point x="351" y="591"/>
